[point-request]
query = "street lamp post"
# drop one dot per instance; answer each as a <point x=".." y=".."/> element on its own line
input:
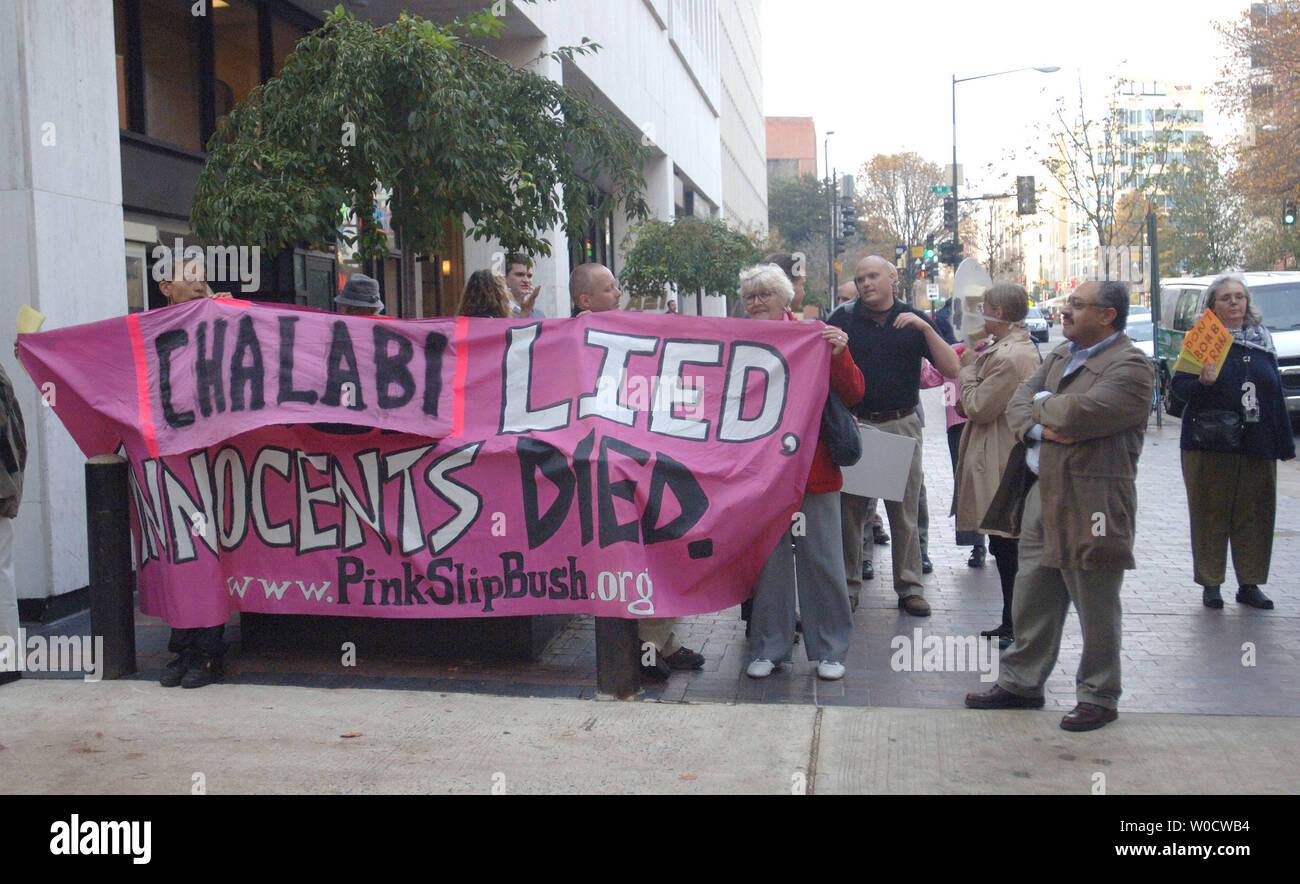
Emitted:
<point x="830" y="230"/>
<point x="1051" y="69"/>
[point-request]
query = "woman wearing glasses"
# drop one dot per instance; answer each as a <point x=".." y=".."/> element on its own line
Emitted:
<point x="1235" y="430"/>
<point x="766" y="293"/>
<point x="987" y="381"/>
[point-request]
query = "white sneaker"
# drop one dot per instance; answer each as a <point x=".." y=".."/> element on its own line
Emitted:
<point x="830" y="670"/>
<point x="760" y="669"/>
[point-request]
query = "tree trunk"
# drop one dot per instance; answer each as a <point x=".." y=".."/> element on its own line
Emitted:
<point x="411" y="301"/>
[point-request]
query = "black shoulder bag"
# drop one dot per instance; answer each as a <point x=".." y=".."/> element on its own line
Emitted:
<point x="841" y="432"/>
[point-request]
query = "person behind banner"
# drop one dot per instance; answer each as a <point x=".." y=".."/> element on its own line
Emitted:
<point x="1235" y="428"/>
<point x="988" y="380"/>
<point x="485" y="296"/>
<point x="199" y="651"/>
<point x="812" y="555"/>
<point x="13" y="460"/>
<point x="794" y="270"/>
<point x="360" y="297"/>
<point x="593" y="289"/>
<point x="519" y="283"/>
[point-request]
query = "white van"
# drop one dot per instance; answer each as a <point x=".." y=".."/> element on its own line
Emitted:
<point x="1276" y="294"/>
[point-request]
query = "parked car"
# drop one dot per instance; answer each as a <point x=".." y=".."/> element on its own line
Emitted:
<point x="1141" y="333"/>
<point x="1276" y="294"/>
<point x="1037" y="325"/>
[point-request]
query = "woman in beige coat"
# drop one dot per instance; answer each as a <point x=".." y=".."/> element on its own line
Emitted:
<point x="987" y="382"/>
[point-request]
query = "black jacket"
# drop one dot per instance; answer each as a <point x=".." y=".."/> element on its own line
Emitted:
<point x="1270" y="438"/>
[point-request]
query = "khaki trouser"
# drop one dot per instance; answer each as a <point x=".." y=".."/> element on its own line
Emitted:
<point x="1040" y="602"/>
<point x="1231" y="498"/>
<point x="9" y="624"/>
<point x="922" y="524"/>
<point x="658" y="631"/>
<point x="905" y="542"/>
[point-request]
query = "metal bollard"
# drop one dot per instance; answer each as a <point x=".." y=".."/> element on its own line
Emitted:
<point x="618" y="660"/>
<point x="108" y="535"/>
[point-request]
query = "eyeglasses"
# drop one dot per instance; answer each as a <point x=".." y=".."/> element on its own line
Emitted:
<point x="756" y="296"/>
<point x="1078" y="304"/>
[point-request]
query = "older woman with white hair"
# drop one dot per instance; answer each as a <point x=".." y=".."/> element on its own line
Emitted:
<point x="1235" y="429"/>
<point x="766" y="293"/>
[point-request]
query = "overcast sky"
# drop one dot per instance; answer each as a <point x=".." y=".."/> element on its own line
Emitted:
<point x="880" y="73"/>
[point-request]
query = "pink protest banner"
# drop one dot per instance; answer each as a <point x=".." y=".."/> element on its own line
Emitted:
<point x="285" y="460"/>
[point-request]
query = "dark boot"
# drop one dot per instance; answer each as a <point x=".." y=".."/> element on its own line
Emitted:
<point x="180" y="643"/>
<point x="205" y="663"/>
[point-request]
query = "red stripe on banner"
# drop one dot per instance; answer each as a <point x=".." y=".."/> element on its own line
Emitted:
<point x="142" y="384"/>
<point x="458" y="384"/>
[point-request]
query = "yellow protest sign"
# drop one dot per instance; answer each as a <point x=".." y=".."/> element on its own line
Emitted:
<point x="1207" y="342"/>
<point x="29" y="320"/>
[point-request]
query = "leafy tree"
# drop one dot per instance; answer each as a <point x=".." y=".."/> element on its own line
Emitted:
<point x="1206" y="215"/>
<point x="1270" y="244"/>
<point x="1260" y="85"/>
<point x="1095" y="168"/>
<point x="798" y="210"/>
<point x="690" y="254"/>
<point x="798" y="213"/>
<point x="895" y="190"/>
<point x="412" y="110"/>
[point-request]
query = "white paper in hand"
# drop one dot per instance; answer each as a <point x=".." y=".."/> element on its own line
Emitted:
<point x="886" y="461"/>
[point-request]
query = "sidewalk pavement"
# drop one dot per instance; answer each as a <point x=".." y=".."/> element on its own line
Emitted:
<point x="1210" y="704"/>
<point x="132" y="737"/>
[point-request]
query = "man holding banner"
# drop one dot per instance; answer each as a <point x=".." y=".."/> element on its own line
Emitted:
<point x="593" y="289"/>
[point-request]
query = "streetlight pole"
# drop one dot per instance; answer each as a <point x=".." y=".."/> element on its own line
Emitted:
<point x="830" y="230"/>
<point x="955" y="80"/>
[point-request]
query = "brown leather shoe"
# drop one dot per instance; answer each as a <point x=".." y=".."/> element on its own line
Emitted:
<point x="1088" y="717"/>
<point x="915" y="605"/>
<point x="999" y="698"/>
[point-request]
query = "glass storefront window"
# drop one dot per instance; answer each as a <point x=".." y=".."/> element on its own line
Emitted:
<point x="284" y="37"/>
<point x="119" y="41"/>
<point x="237" y="62"/>
<point x="170" y="38"/>
<point x="136" y="290"/>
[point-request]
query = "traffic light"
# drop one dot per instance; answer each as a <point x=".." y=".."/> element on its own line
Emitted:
<point x="949" y="212"/>
<point x="848" y="221"/>
<point x="929" y="248"/>
<point x="839" y="244"/>
<point x="1288" y="212"/>
<point x="1025" y="195"/>
<point x="932" y="270"/>
<point x="945" y="253"/>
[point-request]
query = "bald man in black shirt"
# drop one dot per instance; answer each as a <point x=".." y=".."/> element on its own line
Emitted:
<point x="888" y="340"/>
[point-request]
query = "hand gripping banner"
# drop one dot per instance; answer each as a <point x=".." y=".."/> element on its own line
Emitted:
<point x="285" y="460"/>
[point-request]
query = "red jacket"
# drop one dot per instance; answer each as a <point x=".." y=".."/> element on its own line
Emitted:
<point x="848" y="383"/>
